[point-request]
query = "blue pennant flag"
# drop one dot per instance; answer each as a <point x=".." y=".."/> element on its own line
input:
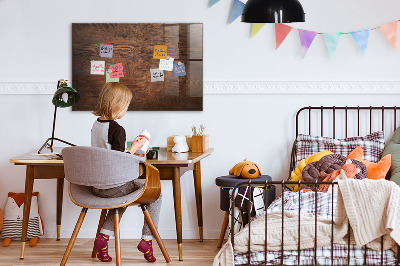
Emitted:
<point x="361" y="38"/>
<point x="237" y="9"/>
<point x="213" y="2"/>
<point x="332" y="41"/>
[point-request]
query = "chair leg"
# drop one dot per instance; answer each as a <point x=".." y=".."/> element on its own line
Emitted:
<point x="223" y="229"/>
<point x="73" y="237"/>
<point x="154" y="230"/>
<point x="117" y="238"/>
<point x="101" y="222"/>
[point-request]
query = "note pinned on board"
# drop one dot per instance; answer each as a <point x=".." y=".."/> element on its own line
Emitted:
<point x="179" y="70"/>
<point x="97" y="67"/>
<point x="110" y="79"/>
<point x="160" y="51"/>
<point x="106" y="50"/>
<point x="117" y="70"/>
<point x="156" y="75"/>
<point x="166" y="64"/>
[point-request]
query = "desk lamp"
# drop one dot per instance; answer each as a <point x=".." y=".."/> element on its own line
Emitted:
<point x="65" y="96"/>
<point x="273" y="11"/>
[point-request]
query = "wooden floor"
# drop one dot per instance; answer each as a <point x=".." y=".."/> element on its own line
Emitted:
<point x="50" y="252"/>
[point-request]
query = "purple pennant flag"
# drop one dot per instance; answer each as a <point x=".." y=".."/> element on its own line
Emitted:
<point x="237" y="9"/>
<point x="306" y="39"/>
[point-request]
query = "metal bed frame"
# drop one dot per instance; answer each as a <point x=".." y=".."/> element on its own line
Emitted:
<point x="283" y="184"/>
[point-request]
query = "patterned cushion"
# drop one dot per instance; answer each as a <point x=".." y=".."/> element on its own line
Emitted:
<point x="372" y="144"/>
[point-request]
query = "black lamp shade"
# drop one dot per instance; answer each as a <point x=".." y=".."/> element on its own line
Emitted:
<point x="273" y="11"/>
<point x="65" y="96"/>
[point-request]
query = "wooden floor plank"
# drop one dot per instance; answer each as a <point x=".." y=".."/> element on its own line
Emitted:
<point x="49" y="252"/>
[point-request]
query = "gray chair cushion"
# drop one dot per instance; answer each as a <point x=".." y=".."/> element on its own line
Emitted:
<point x="83" y="195"/>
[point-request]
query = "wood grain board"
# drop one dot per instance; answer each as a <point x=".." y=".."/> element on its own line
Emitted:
<point x="133" y="47"/>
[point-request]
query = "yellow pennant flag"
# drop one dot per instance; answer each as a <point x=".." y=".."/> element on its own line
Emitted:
<point x="256" y="28"/>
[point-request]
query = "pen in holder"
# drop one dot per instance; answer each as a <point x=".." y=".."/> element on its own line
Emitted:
<point x="200" y="143"/>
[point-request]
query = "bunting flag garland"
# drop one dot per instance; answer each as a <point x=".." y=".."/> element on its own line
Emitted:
<point x="389" y="30"/>
<point x="306" y="39"/>
<point x="213" y="2"/>
<point x="281" y="31"/>
<point x="256" y="28"/>
<point x="361" y="38"/>
<point x="237" y="9"/>
<point x="332" y="41"/>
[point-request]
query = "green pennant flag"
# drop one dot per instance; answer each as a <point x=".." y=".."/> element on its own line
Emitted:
<point x="213" y="2"/>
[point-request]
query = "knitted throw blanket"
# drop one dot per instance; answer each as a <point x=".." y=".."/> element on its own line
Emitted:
<point x="373" y="209"/>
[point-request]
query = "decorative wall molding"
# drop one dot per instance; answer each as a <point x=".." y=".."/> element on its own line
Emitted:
<point x="250" y="87"/>
<point x="302" y="87"/>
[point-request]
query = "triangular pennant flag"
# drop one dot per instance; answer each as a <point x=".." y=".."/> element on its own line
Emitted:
<point x="256" y="28"/>
<point x="332" y="41"/>
<point x="237" y="9"/>
<point x="361" y="37"/>
<point x="306" y="39"/>
<point x="281" y="31"/>
<point x="390" y="32"/>
<point x="213" y="2"/>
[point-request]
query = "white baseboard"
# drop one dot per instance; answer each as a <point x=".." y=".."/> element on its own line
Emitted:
<point x="246" y="87"/>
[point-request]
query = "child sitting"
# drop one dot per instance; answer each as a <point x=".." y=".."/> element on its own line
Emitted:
<point x="114" y="100"/>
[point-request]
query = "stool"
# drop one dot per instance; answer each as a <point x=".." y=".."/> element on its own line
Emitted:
<point x="226" y="183"/>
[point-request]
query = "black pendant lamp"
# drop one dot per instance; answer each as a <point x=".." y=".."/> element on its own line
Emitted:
<point x="273" y="11"/>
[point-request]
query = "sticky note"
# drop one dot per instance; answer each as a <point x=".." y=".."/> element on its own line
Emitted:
<point x="97" y="67"/>
<point x="179" y="70"/>
<point x="160" y="51"/>
<point x="156" y="75"/>
<point x="110" y="79"/>
<point x="166" y="64"/>
<point x="117" y="70"/>
<point x="106" y="50"/>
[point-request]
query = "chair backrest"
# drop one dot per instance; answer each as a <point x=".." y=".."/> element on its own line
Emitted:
<point x="91" y="166"/>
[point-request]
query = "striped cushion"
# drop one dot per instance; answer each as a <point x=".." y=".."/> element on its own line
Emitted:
<point x="372" y="145"/>
<point x="13" y="228"/>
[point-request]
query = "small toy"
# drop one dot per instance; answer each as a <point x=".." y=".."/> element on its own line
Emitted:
<point x="13" y="215"/>
<point x="245" y="169"/>
<point x="180" y="144"/>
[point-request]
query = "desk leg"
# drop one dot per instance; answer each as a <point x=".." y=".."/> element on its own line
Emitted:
<point x="27" y="206"/>
<point x="176" y="182"/>
<point x="60" y="190"/>
<point x="199" y="204"/>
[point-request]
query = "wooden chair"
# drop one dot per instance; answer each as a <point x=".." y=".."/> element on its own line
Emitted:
<point x="85" y="167"/>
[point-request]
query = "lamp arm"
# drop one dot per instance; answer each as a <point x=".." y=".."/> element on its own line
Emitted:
<point x="54" y="126"/>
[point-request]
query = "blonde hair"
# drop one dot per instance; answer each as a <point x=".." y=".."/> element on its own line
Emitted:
<point x="113" y="98"/>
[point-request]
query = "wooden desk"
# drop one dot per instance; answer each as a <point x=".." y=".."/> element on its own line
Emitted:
<point x="169" y="164"/>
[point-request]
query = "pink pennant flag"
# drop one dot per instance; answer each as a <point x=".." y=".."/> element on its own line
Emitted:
<point x="389" y="30"/>
<point x="281" y="31"/>
<point x="306" y="39"/>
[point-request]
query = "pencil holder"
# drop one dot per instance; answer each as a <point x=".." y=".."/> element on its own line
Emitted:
<point x="200" y="143"/>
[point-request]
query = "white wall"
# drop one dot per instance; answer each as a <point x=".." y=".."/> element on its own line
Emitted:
<point x="35" y="46"/>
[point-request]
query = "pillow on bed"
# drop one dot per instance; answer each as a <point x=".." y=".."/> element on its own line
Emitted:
<point x="375" y="170"/>
<point x="393" y="148"/>
<point x="372" y="145"/>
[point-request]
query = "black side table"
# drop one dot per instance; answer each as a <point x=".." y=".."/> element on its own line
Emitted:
<point x="226" y="183"/>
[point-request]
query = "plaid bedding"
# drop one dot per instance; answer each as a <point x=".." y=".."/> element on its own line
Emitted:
<point x="372" y="145"/>
<point x="322" y="207"/>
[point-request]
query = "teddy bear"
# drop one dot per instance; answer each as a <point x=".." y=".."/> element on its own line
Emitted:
<point x="180" y="144"/>
<point x="245" y="169"/>
<point x="13" y="215"/>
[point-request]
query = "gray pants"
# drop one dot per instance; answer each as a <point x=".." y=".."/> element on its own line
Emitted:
<point x="154" y="208"/>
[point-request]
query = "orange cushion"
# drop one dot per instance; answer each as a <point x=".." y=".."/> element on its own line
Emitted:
<point x="375" y="170"/>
